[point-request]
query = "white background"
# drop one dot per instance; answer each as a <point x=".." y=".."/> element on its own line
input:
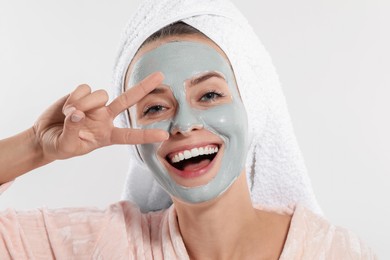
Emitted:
<point x="333" y="58"/>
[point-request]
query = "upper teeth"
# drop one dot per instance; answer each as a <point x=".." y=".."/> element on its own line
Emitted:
<point x="187" y="154"/>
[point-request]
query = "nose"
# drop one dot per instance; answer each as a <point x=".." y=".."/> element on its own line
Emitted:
<point x="185" y="121"/>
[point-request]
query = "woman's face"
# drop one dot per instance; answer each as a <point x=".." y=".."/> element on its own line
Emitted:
<point x="199" y="105"/>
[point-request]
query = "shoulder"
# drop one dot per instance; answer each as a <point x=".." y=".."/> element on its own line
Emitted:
<point x="311" y="236"/>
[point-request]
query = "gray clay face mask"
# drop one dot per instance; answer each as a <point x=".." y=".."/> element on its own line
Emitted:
<point x="179" y="62"/>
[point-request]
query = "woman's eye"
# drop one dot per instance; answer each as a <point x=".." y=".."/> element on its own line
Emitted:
<point x="210" y="96"/>
<point x="154" y="110"/>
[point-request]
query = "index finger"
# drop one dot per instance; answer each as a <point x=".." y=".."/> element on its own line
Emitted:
<point x="137" y="136"/>
<point x="136" y="93"/>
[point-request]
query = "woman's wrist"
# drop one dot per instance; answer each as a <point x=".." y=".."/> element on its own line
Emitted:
<point x="20" y="154"/>
<point x="38" y="157"/>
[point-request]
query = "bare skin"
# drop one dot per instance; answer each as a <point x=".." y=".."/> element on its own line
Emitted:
<point x="228" y="227"/>
<point x="75" y="125"/>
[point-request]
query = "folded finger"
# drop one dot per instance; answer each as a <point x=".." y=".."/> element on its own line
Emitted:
<point x="80" y="92"/>
<point x="136" y="93"/>
<point x="91" y="101"/>
<point x="138" y="136"/>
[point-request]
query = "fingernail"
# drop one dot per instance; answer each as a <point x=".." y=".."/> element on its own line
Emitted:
<point x="69" y="110"/>
<point x="75" y="118"/>
<point x="166" y="136"/>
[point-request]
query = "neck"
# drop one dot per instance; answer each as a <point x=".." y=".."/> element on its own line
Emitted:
<point x="227" y="227"/>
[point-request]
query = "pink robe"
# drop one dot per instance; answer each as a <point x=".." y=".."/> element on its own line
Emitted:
<point x="123" y="232"/>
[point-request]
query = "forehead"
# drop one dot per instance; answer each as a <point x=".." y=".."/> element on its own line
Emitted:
<point x="175" y="57"/>
<point x="179" y="61"/>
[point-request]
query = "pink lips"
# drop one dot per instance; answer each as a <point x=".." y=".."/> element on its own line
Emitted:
<point x="192" y="173"/>
<point x="193" y="170"/>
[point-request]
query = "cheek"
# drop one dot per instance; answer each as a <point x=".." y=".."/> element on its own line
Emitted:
<point x="228" y="120"/>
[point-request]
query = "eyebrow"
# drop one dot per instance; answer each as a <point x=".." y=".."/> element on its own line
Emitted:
<point x="157" y="91"/>
<point x="205" y="77"/>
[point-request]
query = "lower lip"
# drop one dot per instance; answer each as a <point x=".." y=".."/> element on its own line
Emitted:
<point x="196" y="173"/>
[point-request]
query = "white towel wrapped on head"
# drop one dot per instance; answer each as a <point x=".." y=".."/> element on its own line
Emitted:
<point x="275" y="169"/>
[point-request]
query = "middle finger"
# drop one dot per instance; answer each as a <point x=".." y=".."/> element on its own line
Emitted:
<point x="136" y="93"/>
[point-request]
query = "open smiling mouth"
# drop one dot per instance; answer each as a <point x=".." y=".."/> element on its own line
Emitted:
<point x="194" y="162"/>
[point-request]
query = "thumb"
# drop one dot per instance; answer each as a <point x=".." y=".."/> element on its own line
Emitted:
<point x="72" y="125"/>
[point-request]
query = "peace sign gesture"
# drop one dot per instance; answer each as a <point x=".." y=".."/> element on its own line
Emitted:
<point x="82" y="122"/>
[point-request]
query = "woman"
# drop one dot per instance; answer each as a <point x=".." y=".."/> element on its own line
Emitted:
<point x="275" y="169"/>
<point x="202" y="164"/>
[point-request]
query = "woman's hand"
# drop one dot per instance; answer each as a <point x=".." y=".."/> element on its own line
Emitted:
<point x="82" y="122"/>
<point x="75" y="125"/>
